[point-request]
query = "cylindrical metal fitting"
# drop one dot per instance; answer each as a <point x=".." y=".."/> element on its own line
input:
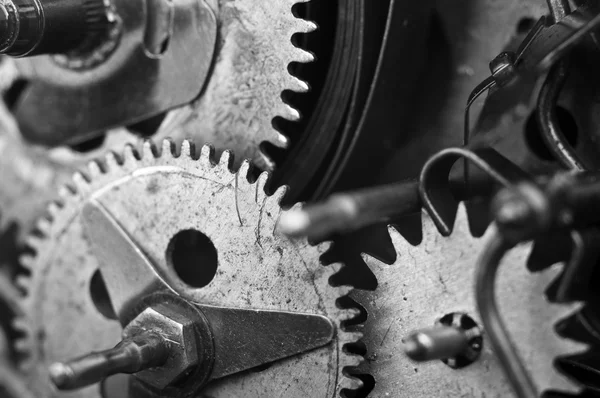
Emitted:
<point x="129" y="356"/>
<point x="436" y="343"/>
<point x="33" y="27"/>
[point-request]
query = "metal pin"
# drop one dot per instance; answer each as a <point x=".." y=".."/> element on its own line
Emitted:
<point x="345" y="212"/>
<point x="439" y="342"/>
<point x="129" y="356"/>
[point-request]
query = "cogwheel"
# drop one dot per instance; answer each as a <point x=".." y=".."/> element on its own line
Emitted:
<point x="11" y="383"/>
<point x="435" y="279"/>
<point x="157" y="195"/>
<point x="31" y="175"/>
<point x="244" y="93"/>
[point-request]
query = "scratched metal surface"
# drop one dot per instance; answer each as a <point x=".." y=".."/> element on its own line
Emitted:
<point x="244" y="92"/>
<point x="436" y="278"/>
<point x="153" y="199"/>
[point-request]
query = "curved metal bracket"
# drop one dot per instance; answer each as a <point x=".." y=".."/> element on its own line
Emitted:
<point x="435" y="187"/>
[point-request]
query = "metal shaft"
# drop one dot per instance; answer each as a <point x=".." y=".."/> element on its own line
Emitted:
<point x="439" y="342"/>
<point x="129" y="356"/>
<point x="349" y="211"/>
<point x="33" y="27"/>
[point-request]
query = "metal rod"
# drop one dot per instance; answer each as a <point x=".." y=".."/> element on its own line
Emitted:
<point x="551" y="131"/>
<point x="440" y="342"/>
<point x="546" y="112"/>
<point x="344" y="212"/>
<point x="129" y="356"/>
<point x="485" y="294"/>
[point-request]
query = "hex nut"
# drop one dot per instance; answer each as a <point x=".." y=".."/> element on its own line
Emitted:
<point x="179" y="331"/>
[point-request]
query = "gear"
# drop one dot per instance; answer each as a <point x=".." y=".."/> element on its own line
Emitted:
<point x="244" y="94"/>
<point x="11" y="383"/>
<point x="433" y="281"/>
<point x="228" y="114"/>
<point x="157" y="195"/>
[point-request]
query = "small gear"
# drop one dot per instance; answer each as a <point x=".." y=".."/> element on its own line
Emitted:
<point x="433" y="282"/>
<point x="157" y="195"/>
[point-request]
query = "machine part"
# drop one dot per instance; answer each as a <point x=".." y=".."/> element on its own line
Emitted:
<point x="131" y="355"/>
<point x="244" y="92"/>
<point x="434" y="185"/>
<point x="34" y="27"/>
<point x="456" y="339"/>
<point x="346" y="212"/>
<point x="123" y="80"/>
<point x="543" y="47"/>
<point x="166" y="200"/>
<point x="437" y="280"/>
<point x="32" y="175"/>
<point x="12" y="384"/>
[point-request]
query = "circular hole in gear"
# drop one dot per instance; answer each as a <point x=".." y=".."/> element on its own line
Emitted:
<point x="193" y="256"/>
<point x="533" y="133"/>
<point x="475" y="344"/>
<point x="100" y="296"/>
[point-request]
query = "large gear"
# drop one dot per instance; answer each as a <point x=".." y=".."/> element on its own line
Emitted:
<point x="255" y="49"/>
<point x="435" y="279"/>
<point x="257" y="269"/>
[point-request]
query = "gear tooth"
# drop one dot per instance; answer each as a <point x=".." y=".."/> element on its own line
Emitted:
<point x="336" y="268"/>
<point x="54" y="208"/>
<point x="350" y="382"/>
<point x="302" y="56"/>
<point x="305" y="26"/>
<point x="169" y="148"/>
<point x="206" y="156"/>
<point x="33" y="241"/>
<point x="289" y="113"/>
<point x="396" y="237"/>
<point x="44" y="226"/>
<point x="112" y="161"/>
<point x="298" y="85"/>
<point x="261" y="182"/>
<point x="22" y="345"/>
<point x="149" y="150"/>
<point x="279" y="194"/>
<point x="130" y="154"/>
<point x="322" y="247"/>
<point x="20" y="325"/>
<point x="348" y="313"/>
<point x="345" y="289"/>
<point x="244" y="171"/>
<point x="188" y="149"/>
<point x="352" y="360"/>
<point x="94" y="169"/>
<point x="81" y="181"/>
<point x="66" y="193"/>
<point x="282" y="140"/>
<point x="23" y="282"/>
<point x="226" y="160"/>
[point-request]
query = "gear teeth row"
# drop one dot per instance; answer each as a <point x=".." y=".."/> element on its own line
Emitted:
<point x="417" y="263"/>
<point x="290" y="82"/>
<point x="134" y="158"/>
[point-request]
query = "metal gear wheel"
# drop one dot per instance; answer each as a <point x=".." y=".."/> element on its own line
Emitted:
<point x="234" y="112"/>
<point x="244" y="93"/>
<point x="434" y="280"/>
<point x="154" y="195"/>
